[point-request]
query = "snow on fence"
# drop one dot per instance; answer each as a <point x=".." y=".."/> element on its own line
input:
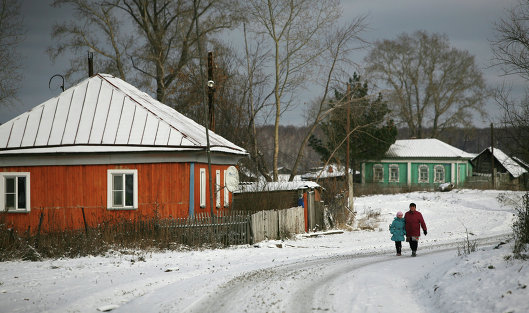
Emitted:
<point x="277" y="224"/>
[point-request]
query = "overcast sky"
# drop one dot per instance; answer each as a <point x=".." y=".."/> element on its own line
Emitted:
<point x="468" y="24"/>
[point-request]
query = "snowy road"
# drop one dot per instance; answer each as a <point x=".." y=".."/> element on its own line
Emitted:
<point x="352" y="283"/>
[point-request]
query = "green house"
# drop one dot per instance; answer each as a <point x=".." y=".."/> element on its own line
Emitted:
<point x="419" y="162"/>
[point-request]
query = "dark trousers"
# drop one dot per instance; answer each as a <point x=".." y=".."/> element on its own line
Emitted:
<point x="413" y="245"/>
<point x="398" y="246"/>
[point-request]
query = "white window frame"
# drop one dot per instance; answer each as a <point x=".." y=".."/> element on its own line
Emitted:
<point x="202" y="187"/>
<point x="394" y="167"/>
<point x="226" y="193"/>
<point x="110" y="203"/>
<point x="419" y="178"/>
<point x="375" y="167"/>
<point x="3" y="176"/>
<point x="217" y="188"/>
<point x="436" y="178"/>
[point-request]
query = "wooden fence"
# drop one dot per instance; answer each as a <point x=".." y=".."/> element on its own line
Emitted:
<point x="226" y="228"/>
<point x="277" y="224"/>
<point x="230" y="229"/>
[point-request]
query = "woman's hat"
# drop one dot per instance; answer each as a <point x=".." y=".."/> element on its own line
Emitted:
<point x="399" y="213"/>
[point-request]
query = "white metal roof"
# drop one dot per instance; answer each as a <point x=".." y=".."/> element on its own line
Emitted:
<point x="277" y="186"/>
<point x="109" y="115"/>
<point x="329" y="171"/>
<point x="425" y="148"/>
<point x="510" y="165"/>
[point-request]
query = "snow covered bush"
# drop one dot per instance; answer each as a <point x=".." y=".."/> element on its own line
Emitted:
<point x="521" y="228"/>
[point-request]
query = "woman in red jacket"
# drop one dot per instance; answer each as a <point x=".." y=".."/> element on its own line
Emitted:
<point x="414" y="222"/>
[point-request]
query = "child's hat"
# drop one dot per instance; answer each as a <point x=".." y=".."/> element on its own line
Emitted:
<point x="399" y="213"/>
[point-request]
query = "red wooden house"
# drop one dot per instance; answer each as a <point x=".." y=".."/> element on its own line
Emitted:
<point x="103" y="150"/>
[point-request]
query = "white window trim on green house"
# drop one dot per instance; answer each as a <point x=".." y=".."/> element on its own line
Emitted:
<point x="394" y="173"/>
<point x="439" y="174"/>
<point x="424" y="173"/>
<point x="378" y="173"/>
<point x="21" y="205"/>
<point x="455" y="176"/>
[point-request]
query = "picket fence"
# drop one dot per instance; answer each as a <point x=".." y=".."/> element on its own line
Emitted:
<point x="224" y="228"/>
<point x="237" y="227"/>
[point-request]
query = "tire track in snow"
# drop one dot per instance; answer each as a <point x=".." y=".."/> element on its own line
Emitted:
<point x="313" y="285"/>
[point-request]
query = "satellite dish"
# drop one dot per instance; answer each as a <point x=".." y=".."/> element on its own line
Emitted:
<point x="232" y="179"/>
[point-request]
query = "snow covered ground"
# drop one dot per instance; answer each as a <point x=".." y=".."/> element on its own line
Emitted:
<point x="356" y="271"/>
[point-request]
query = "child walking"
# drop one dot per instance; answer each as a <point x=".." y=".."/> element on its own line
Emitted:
<point x="398" y="230"/>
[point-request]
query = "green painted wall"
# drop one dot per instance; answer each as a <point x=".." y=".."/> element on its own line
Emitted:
<point x="403" y="172"/>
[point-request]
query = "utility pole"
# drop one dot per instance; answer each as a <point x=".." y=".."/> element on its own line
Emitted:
<point x="90" y="64"/>
<point x="492" y="156"/>
<point x="347" y="129"/>
<point x="211" y="91"/>
<point x="202" y="76"/>
<point x="349" y="176"/>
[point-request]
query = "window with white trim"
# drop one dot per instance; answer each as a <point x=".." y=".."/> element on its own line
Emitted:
<point x="15" y="191"/>
<point x="423" y="173"/>
<point x="394" y="173"/>
<point x="226" y="193"/>
<point x="378" y="173"/>
<point x="122" y="189"/>
<point x="439" y="174"/>
<point x="202" y="187"/>
<point x="217" y="188"/>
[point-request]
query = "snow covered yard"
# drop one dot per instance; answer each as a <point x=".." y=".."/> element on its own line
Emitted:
<point x="356" y="271"/>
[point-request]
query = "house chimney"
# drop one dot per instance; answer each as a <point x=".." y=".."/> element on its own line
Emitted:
<point x="90" y="64"/>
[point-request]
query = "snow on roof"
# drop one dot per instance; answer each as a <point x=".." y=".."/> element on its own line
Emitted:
<point x="510" y="165"/>
<point x="105" y="111"/>
<point x="331" y="170"/>
<point x="425" y="148"/>
<point x="277" y="186"/>
<point x="521" y="162"/>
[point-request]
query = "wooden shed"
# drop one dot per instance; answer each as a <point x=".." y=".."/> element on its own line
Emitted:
<point x="282" y="195"/>
<point x="102" y="151"/>
<point x="509" y="172"/>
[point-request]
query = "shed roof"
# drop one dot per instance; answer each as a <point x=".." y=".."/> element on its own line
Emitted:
<point x="425" y="148"/>
<point x="328" y="171"/>
<point x="105" y="114"/>
<point x="515" y="169"/>
<point x="277" y="186"/>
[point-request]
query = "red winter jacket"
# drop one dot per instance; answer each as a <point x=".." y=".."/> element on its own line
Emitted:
<point x="414" y="222"/>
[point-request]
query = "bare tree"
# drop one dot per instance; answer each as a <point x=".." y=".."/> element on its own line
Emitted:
<point x="256" y="100"/>
<point x="431" y="84"/>
<point x="293" y="31"/>
<point x="97" y="27"/>
<point x="11" y="34"/>
<point x="511" y="45"/>
<point x="155" y="38"/>
<point x="339" y="46"/>
<point x="167" y="27"/>
<point x="511" y="51"/>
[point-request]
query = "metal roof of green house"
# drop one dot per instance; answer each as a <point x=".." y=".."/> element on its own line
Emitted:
<point x="425" y="148"/>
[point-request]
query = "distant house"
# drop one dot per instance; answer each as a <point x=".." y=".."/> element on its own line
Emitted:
<point x="419" y="162"/>
<point x="103" y="150"/>
<point x="511" y="172"/>
<point x="282" y="195"/>
<point x="283" y="174"/>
